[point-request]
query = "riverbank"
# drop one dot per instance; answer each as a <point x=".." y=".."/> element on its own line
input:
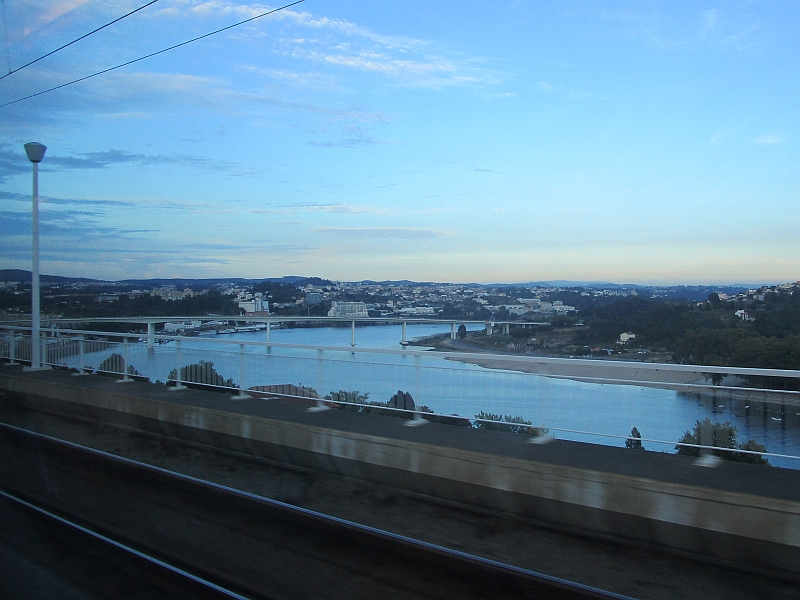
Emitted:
<point x="611" y="370"/>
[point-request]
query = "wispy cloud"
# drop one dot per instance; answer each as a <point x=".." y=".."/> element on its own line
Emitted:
<point x="342" y="43"/>
<point x="770" y="139"/>
<point x="15" y="197"/>
<point x="14" y="163"/>
<point x="720" y="134"/>
<point x="564" y="92"/>
<point x="719" y="29"/>
<point x="382" y="232"/>
<point x="312" y="207"/>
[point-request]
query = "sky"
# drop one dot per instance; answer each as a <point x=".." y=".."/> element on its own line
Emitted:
<point x="640" y="142"/>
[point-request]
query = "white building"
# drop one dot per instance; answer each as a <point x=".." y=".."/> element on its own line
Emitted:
<point x="175" y="327"/>
<point x="256" y="304"/>
<point x="624" y="338"/>
<point x="417" y="310"/>
<point x="348" y="309"/>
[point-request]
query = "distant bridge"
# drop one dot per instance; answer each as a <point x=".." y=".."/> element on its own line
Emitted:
<point x="151" y="322"/>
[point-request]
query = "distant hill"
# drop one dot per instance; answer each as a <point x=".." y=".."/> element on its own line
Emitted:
<point x="21" y="276"/>
<point x="689" y="292"/>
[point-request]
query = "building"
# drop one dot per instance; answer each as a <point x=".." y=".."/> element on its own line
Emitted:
<point x="256" y="304"/>
<point x="313" y="297"/>
<point x="171" y="294"/>
<point x="178" y="326"/>
<point x="348" y="309"/>
<point x="626" y="337"/>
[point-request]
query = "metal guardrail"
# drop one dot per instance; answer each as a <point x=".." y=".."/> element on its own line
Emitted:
<point x="15" y="347"/>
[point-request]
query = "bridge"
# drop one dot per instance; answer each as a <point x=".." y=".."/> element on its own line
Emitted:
<point x="271" y="321"/>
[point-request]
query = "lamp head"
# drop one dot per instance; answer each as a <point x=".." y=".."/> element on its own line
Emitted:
<point x="35" y="151"/>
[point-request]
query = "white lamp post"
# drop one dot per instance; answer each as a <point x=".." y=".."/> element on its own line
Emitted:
<point x="35" y="152"/>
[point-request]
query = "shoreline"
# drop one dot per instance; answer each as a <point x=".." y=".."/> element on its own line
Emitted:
<point x="603" y="371"/>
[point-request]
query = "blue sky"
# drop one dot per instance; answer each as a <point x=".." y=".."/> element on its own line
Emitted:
<point x="648" y="142"/>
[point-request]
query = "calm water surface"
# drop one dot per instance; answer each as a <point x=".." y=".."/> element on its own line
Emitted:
<point x="451" y="387"/>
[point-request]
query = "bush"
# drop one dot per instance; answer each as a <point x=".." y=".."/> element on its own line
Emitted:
<point x="720" y="435"/>
<point x="520" y="425"/>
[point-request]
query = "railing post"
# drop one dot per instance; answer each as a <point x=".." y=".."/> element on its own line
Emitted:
<point x="417" y="420"/>
<point x="12" y="349"/>
<point x="125" y="378"/>
<point x="178" y="385"/>
<point x="81" y="359"/>
<point x="241" y="395"/>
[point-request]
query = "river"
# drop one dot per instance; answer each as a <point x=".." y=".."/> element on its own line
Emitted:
<point x="451" y="387"/>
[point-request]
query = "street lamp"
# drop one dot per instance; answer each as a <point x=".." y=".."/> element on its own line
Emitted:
<point x="35" y="152"/>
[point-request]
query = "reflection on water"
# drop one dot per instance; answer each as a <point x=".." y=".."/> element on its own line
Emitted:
<point x="455" y="388"/>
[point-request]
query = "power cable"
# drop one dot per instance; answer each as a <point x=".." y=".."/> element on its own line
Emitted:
<point x="11" y="72"/>
<point x="130" y="62"/>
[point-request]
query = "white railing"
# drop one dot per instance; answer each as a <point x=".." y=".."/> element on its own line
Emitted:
<point x="245" y="362"/>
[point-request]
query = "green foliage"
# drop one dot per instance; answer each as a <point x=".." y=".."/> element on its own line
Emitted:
<point x="357" y="398"/>
<point x="278" y="292"/>
<point x="462" y="331"/>
<point x="635" y="441"/>
<point x="146" y="305"/>
<point x="655" y="322"/>
<point x="519" y="425"/>
<point x="738" y="347"/>
<point x="720" y="435"/>
<point x="780" y="316"/>
<point x="354" y="397"/>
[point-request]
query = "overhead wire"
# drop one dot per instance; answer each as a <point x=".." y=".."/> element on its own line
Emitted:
<point x="146" y="56"/>
<point x="12" y="71"/>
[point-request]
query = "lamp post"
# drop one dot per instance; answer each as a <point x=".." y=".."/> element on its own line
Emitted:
<point x="35" y="152"/>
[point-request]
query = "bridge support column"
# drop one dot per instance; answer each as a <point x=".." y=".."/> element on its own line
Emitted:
<point x="489" y="326"/>
<point x="269" y="332"/>
<point x="151" y="334"/>
<point x="404" y="337"/>
<point x="353" y="333"/>
<point x="452" y="331"/>
<point x="506" y="328"/>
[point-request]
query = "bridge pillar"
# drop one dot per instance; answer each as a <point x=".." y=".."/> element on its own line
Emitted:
<point x="353" y="332"/>
<point x="489" y="326"/>
<point x="151" y="335"/>
<point x="452" y="331"/>
<point x="506" y="328"/>
<point x="269" y="332"/>
<point x="404" y="340"/>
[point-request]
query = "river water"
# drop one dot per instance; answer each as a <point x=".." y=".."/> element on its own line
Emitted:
<point x="451" y="387"/>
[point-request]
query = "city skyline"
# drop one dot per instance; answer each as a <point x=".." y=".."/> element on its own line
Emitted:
<point x="639" y="145"/>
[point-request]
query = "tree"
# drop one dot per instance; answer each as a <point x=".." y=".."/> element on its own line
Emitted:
<point x="462" y="331"/>
<point x="635" y="441"/>
<point x="720" y="435"/>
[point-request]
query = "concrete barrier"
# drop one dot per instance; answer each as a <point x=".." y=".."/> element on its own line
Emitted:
<point x="750" y="530"/>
